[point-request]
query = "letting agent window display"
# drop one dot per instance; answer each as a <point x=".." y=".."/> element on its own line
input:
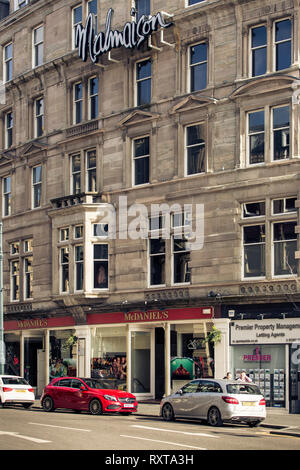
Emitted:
<point x="108" y="357"/>
<point x="265" y="365"/>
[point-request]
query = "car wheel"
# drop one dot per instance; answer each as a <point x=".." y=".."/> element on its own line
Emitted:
<point x="253" y="424"/>
<point x="168" y="412"/>
<point x="214" y="417"/>
<point x="48" y="404"/>
<point x="27" y="405"/>
<point x="95" y="407"/>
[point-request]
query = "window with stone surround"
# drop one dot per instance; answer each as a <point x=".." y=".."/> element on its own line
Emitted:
<point x="93" y="90"/>
<point x="267" y="143"/>
<point x="38" y="46"/>
<point x="282" y="31"/>
<point x="258" y="50"/>
<point x="141" y="160"/>
<point x="256" y="137"/>
<point x="70" y="258"/>
<point x="91" y="167"/>
<point x="20" y="4"/>
<point x="77" y="103"/>
<point x="36" y="186"/>
<point x="284" y="248"/>
<point x="189" y="3"/>
<point x="100" y="265"/>
<point x="84" y="99"/>
<point x="195" y="149"/>
<point x="6" y="196"/>
<point x="8" y="62"/>
<point x="198" y="66"/>
<point x="21" y="270"/>
<point x="76" y="20"/>
<point x="254" y="239"/>
<point x="270" y="46"/>
<point x="180" y="247"/>
<point x="157" y="262"/>
<point x="39" y="117"/>
<point x="92" y="7"/>
<point x="269" y="238"/>
<point x="83" y="172"/>
<point x="80" y="13"/>
<point x="79" y="263"/>
<point x="142" y="7"/>
<point x="8" y="130"/>
<point x="169" y="248"/>
<point x="143" y="81"/>
<point x="64" y="269"/>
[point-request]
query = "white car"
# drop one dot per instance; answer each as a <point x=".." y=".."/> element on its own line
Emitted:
<point x="216" y="401"/>
<point x="15" y="390"/>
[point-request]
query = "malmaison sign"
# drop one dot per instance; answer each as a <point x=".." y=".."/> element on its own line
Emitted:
<point x="265" y="331"/>
<point x="132" y="36"/>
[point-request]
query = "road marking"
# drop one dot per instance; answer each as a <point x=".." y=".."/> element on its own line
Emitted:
<point x="61" y="427"/>
<point x="163" y="442"/>
<point x="16" y="434"/>
<point x="179" y="432"/>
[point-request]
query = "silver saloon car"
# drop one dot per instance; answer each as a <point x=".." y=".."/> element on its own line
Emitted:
<point x="216" y="401"/>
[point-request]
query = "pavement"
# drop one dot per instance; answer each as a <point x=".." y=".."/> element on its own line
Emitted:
<point x="278" y="422"/>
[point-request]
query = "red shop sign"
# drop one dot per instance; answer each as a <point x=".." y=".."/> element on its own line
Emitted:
<point x="38" y="323"/>
<point x="151" y="316"/>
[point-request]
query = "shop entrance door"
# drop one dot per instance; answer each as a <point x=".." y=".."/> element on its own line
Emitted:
<point x="159" y="362"/>
<point x="31" y="347"/>
<point x="142" y="362"/>
<point x="295" y="378"/>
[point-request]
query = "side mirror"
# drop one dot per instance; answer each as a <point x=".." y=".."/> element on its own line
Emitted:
<point x="179" y="392"/>
<point x="82" y="388"/>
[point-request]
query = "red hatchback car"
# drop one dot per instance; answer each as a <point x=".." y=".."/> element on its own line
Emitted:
<point x="86" y="395"/>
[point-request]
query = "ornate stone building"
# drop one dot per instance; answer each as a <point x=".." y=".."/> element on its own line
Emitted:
<point x="151" y="192"/>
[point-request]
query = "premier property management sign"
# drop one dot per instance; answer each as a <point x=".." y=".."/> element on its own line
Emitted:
<point x="265" y="331"/>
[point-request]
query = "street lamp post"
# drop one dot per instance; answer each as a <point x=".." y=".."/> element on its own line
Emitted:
<point x="2" y="348"/>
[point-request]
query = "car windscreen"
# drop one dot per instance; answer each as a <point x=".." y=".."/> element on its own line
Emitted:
<point x="245" y="389"/>
<point x="14" y="381"/>
<point x="95" y="383"/>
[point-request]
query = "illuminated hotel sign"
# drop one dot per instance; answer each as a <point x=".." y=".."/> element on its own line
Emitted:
<point x="133" y="35"/>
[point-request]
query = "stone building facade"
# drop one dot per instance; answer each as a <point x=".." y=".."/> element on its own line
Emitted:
<point x="202" y="122"/>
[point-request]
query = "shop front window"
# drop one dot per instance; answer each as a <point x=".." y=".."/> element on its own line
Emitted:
<point x="192" y="356"/>
<point x="109" y="357"/>
<point x="63" y="354"/>
<point x="12" y="354"/>
<point x="265" y="366"/>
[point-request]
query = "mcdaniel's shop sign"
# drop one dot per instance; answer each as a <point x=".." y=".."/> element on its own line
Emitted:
<point x="133" y="35"/>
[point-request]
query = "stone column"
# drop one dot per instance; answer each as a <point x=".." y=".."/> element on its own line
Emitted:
<point x="83" y="351"/>
<point x="167" y="328"/>
<point x="222" y="355"/>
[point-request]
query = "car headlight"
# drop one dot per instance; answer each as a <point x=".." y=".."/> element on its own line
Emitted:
<point x="110" y="398"/>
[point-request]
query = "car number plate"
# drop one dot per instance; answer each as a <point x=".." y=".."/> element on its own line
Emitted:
<point x="128" y="406"/>
<point x="249" y="403"/>
<point x="18" y="390"/>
